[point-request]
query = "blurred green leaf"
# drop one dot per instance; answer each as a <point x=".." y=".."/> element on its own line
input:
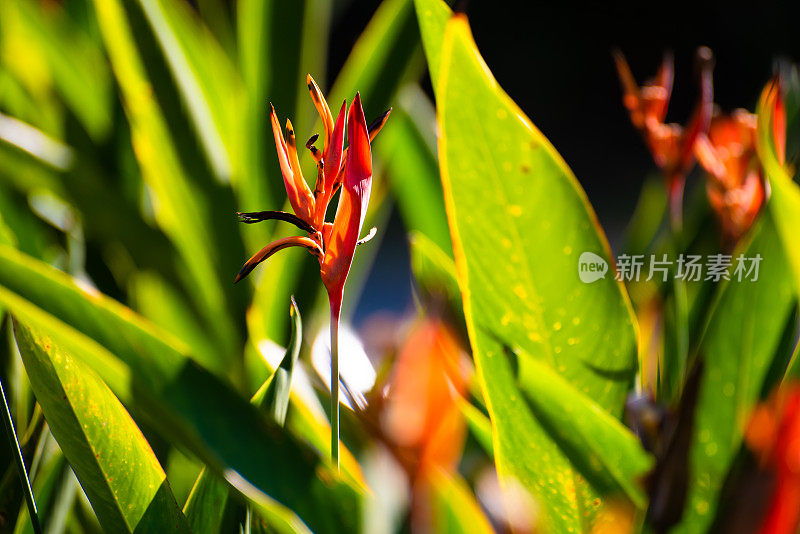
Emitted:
<point x="117" y="469"/>
<point x="35" y="143"/>
<point x="519" y="222"/>
<point x="479" y="424"/>
<point x="209" y="84"/>
<point x="273" y="395"/>
<point x="150" y="371"/>
<point x="784" y="201"/>
<point x="432" y="17"/>
<point x="647" y="217"/>
<point x="72" y="58"/>
<point x="453" y="505"/>
<point x="179" y="208"/>
<point x="380" y="58"/>
<point x="409" y="154"/>
<point x="205" y="506"/>
<point x="435" y="273"/>
<point x="739" y="347"/>
<point x="161" y="303"/>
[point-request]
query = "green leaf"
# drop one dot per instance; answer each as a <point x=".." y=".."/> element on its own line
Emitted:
<point x="208" y="82"/>
<point x="273" y="395"/>
<point x="784" y="200"/>
<point x="162" y="304"/>
<point x="179" y="209"/>
<point x="453" y="505"/>
<point x="380" y="58"/>
<point x="206" y="503"/>
<point x="110" y="456"/>
<point x="409" y="153"/>
<point x="46" y="486"/>
<point x="205" y="506"/>
<point x="519" y="223"/>
<point x="738" y="349"/>
<point x="602" y="448"/>
<point x="73" y="59"/>
<point x="479" y="425"/>
<point x="435" y="273"/>
<point x="151" y="372"/>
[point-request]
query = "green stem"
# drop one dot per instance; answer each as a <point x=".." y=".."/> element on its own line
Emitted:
<point x="335" y="309"/>
<point x="23" y="474"/>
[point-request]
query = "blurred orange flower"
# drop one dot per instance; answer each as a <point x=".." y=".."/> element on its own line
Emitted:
<point x="422" y="410"/>
<point x="671" y="145"/>
<point x="773" y="433"/>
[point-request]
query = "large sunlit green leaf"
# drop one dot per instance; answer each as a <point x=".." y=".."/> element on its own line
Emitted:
<point x="604" y="451"/>
<point x="116" y="466"/>
<point x="152" y="374"/>
<point x="519" y="222"/>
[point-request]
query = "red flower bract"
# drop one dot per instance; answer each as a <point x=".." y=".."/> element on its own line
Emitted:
<point x="671" y="145"/>
<point x="333" y="244"/>
<point x="341" y="240"/>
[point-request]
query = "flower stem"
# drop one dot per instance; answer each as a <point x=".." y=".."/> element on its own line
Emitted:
<point x="335" y="309"/>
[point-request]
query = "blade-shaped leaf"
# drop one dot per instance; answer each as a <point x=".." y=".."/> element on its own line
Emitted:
<point x="606" y="452"/>
<point x="738" y="349"/>
<point x="409" y="153"/>
<point x="435" y="273"/>
<point x="206" y="503"/>
<point x="110" y="456"/>
<point x="207" y="80"/>
<point x="149" y="372"/>
<point x="73" y="58"/>
<point x="380" y="57"/>
<point x="179" y="208"/>
<point x="453" y="505"/>
<point x="519" y="223"/>
<point x="273" y="395"/>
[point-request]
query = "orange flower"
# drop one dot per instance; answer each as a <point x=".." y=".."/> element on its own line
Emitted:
<point x="737" y="188"/>
<point x="333" y="244"/>
<point x="735" y="185"/>
<point x="671" y="145"/>
<point x="774" y="435"/>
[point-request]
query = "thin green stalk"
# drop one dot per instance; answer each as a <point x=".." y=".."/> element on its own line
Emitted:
<point x="23" y="474"/>
<point x="335" y="386"/>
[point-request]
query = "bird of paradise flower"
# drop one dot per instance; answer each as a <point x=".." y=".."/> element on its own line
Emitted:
<point x="333" y="244"/>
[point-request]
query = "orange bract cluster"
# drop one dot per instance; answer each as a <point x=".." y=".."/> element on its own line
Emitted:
<point x="725" y="145"/>
<point x="735" y="185"/>
<point x="423" y="412"/>
<point x="332" y="243"/>
<point x="671" y="145"/>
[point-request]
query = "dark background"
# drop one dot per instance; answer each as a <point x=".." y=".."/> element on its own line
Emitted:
<point x="554" y="60"/>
